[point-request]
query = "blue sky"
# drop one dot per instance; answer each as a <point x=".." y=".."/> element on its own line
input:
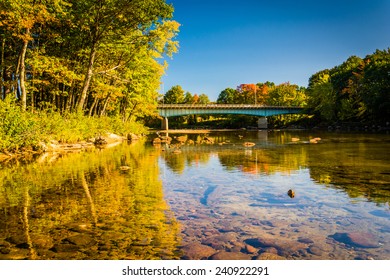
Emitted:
<point x="225" y="43"/>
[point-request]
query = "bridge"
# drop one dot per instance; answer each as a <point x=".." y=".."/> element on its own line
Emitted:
<point x="174" y="110"/>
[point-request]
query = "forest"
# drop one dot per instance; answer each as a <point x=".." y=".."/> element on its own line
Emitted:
<point x="68" y="60"/>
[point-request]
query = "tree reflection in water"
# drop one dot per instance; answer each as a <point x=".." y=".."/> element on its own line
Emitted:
<point x="87" y="206"/>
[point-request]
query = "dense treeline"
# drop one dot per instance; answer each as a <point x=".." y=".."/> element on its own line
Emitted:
<point x="267" y="93"/>
<point x="100" y="57"/>
<point x="356" y="90"/>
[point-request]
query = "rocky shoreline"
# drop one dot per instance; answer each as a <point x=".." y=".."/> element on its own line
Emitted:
<point x="54" y="146"/>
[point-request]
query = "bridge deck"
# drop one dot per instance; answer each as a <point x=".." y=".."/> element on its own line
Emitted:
<point x="223" y="106"/>
<point x="175" y="110"/>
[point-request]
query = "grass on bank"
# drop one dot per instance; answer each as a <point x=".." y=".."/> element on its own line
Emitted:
<point x="25" y="130"/>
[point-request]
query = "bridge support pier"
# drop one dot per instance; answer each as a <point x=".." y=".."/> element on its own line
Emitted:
<point x="262" y="123"/>
<point x="164" y="123"/>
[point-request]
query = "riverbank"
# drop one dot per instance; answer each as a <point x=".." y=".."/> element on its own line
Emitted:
<point x="26" y="133"/>
<point x="105" y="141"/>
<point x="192" y="131"/>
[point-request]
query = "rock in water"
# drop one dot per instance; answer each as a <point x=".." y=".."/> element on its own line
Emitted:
<point x="197" y="251"/>
<point x="291" y="193"/>
<point x="249" y="144"/>
<point x="356" y="239"/>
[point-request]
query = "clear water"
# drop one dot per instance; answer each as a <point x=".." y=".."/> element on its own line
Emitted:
<point x="340" y="209"/>
<point x="200" y="200"/>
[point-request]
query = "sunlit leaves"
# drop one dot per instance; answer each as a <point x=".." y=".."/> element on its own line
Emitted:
<point x="102" y="57"/>
<point x="356" y="90"/>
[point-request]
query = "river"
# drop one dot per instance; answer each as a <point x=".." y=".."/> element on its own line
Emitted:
<point x="221" y="195"/>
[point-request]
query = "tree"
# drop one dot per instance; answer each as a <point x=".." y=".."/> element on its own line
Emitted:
<point x="245" y="94"/>
<point x="286" y="95"/>
<point x="322" y="96"/>
<point x="356" y="90"/>
<point x="188" y="98"/>
<point x="104" y="20"/>
<point x="20" y="20"/>
<point x="203" y="99"/>
<point x="375" y="89"/>
<point x="227" y="96"/>
<point x="174" y="96"/>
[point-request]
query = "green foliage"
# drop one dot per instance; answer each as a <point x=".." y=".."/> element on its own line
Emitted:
<point x="99" y="57"/>
<point x="20" y="130"/>
<point x="356" y="90"/>
<point x="226" y="96"/>
<point x="266" y="93"/>
<point x="17" y="128"/>
<point x="174" y="96"/>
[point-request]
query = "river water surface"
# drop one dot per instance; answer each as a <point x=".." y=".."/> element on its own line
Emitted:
<point x="204" y="196"/>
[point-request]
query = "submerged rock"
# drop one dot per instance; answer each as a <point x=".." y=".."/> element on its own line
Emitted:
<point x="230" y="256"/>
<point x="19" y="240"/>
<point x="269" y="256"/>
<point x="356" y="239"/>
<point x="197" y="251"/>
<point x="315" y="250"/>
<point x="250" y="249"/>
<point x="82" y="240"/>
<point x="59" y="248"/>
<point x="305" y="240"/>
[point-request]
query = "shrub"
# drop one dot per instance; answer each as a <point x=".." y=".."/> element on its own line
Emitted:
<point x="20" y="130"/>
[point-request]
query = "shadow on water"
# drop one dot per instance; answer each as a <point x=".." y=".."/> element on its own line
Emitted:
<point x="206" y="194"/>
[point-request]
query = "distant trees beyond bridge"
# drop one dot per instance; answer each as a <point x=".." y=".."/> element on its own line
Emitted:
<point x="174" y="110"/>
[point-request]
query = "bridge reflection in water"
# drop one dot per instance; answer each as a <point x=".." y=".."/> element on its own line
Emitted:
<point x="175" y="110"/>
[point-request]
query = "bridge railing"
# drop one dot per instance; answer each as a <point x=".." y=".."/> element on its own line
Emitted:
<point x="223" y="106"/>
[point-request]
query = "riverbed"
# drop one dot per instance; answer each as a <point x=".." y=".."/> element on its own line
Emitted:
<point x="217" y="195"/>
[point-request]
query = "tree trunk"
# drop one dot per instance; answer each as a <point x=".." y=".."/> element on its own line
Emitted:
<point x="93" y="106"/>
<point x="87" y="80"/>
<point x="106" y="100"/>
<point x="23" y="72"/>
<point x="131" y="112"/>
<point x="2" y="70"/>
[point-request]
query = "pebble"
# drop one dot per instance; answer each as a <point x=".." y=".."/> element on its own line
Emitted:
<point x="272" y="250"/>
<point x="4" y="250"/>
<point x="305" y="240"/>
<point x="44" y="243"/>
<point x="315" y="250"/>
<point x="250" y="249"/>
